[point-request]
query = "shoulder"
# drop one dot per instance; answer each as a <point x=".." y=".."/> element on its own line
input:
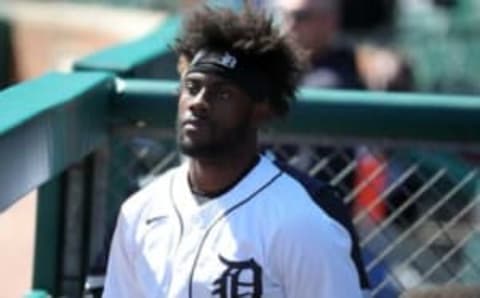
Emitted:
<point x="314" y="230"/>
<point x="311" y="204"/>
<point x="323" y="195"/>
<point x="310" y="184"/>
<point x="304" y="231"/>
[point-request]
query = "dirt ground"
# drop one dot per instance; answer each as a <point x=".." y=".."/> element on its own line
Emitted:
<point x="17" y="230"/>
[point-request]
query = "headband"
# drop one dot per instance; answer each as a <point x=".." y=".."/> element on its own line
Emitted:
<point x="235" y="68"/>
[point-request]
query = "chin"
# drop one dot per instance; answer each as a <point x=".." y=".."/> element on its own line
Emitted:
<point x="194" y="150"/>
<point x="207" y="151"/>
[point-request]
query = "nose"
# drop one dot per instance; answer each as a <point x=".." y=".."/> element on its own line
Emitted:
<point x="198" y="104"/>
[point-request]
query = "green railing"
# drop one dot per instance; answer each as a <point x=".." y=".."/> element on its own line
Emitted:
<point x="59" y="133"/>
<point x="48" y="124"/>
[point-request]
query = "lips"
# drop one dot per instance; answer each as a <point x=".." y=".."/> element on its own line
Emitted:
<point x="195" y="124"/>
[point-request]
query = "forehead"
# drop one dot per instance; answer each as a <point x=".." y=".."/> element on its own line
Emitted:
<point x="215" y="82"/>
<point x="208" y="78"/>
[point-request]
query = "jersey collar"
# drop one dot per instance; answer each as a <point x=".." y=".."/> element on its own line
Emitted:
<point x="205" y="214"/>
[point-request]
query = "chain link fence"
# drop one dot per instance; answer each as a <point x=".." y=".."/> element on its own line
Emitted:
<point x="415" y="207"/>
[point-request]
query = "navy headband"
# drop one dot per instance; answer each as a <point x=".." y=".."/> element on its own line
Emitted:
<point x="235" y="68"/>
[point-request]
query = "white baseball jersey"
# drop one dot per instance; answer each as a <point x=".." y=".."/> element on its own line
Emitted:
<point x="265" y="237"/>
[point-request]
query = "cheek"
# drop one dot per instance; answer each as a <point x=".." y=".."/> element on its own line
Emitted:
<point x="234" y="115"/>
<point x="181" y="106"/>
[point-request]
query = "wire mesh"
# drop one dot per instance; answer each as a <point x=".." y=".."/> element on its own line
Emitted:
<point x="414" y="208"/>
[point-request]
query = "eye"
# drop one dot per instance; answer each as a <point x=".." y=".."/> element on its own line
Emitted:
<point x="224" y="94"/>
<point x="192" y="87"/>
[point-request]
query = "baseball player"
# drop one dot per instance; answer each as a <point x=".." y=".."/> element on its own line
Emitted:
<point x="229" y="222"/>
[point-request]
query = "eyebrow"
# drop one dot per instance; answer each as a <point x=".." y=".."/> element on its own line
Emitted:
<point x="213" y="81"/>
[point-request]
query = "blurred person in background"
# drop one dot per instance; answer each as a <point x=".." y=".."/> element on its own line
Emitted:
<point x="336" y="63"/>
<point x="316" y="25"/>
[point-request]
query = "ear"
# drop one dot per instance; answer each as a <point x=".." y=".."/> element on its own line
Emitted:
<point x="182" y="64"/>
<point x="262" y="113"/>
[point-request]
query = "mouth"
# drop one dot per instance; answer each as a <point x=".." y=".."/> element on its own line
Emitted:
<point x="195" y="124"/>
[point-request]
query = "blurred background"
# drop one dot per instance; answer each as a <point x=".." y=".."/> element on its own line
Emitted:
<point x="427" y="46"/>
<point x="437" y="38"/>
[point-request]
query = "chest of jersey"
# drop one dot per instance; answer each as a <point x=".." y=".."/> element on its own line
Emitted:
<point x="227" y="257"/>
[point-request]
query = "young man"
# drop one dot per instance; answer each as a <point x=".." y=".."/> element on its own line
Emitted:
<point x="229" y="223"/>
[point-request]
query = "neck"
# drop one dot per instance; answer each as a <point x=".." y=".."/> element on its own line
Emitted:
<point x="212" y="176"/>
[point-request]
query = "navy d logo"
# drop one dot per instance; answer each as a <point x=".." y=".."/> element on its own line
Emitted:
<point x="241" y="279"/>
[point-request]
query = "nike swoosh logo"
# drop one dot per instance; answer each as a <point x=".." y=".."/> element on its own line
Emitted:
<point x="156" y="218"/>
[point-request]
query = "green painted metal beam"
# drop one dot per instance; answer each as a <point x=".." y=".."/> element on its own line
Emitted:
<point x="48" y="235"/>
<point x="381" y="115"/>
<point x="46" y="125"/>
<point x="145" y="103"/>
<point x="329" y="113"/>
<point x="129" y="59"/>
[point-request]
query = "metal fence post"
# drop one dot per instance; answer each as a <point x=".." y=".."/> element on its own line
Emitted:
<point x="48" y="235"/>
<point x="62" y="252"/>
